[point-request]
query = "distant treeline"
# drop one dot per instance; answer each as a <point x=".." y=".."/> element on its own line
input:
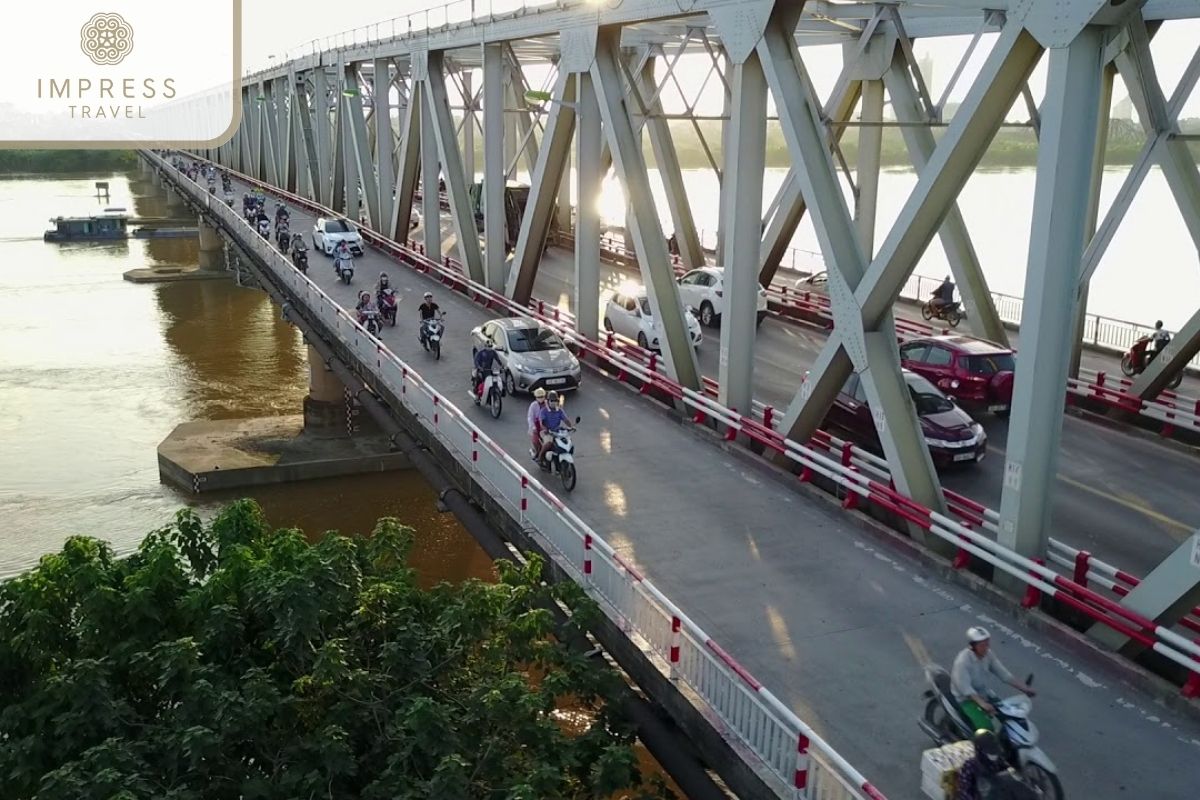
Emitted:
<point x="66" y="160"/>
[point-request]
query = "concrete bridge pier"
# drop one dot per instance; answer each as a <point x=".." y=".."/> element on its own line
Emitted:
<point x="212" y="247"/>
<point x="325" y="404"/>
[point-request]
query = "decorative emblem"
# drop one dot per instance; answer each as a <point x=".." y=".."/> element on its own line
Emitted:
<point x="106" y="39"/>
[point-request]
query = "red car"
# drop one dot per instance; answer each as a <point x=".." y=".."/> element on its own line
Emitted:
<point x="975" y="372"/>
<point x="950" y="434"/>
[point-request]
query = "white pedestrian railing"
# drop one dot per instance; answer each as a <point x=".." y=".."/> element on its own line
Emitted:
<point x="800" y="762"/>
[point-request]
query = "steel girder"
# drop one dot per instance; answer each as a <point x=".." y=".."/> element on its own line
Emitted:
<point x="543" y="192"/>
<point x="870" y="152"/>
<point x="589" y="181"/>
<point x="310" y="179"/>
<point x="495" y="228"/>
<point x="868" y="350"/>
<point x="431" y="205"/>
<point x="462" y="217"/>
<point x="1061" y="199"/>
<point x="364" y="165"/>
<point x="385" y="169"/>
<point x="324" y="137"/>
<point x="408" y="166"/>
<point x="648" y="241"/>
<point x="956" y="239"/>
<point x="743" y="187"/>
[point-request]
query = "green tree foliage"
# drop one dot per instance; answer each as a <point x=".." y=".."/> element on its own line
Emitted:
<point x="16" y="161"/>
<point x="229" y="660"/>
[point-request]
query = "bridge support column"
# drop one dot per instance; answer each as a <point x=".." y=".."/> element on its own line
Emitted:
<point x="210" y="237"/>
<point x="431" y="205"/>
<point x="495" y="131"/>
<point x="870" y="152"/>
<point x="1065" y="156"/>
<point x="325" y="404"/>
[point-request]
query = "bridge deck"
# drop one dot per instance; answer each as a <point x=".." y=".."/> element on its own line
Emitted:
<point x="1125" y="499"/>
<point x="836" y="626"/>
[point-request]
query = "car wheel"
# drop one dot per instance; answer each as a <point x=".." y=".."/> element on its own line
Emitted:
<point x="707" y="317"/>
<point x="510" y="386"/>
<point x="642" y="343"/>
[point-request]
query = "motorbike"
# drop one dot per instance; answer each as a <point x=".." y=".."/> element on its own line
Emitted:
<point x="371" y="321"/>
<point x="560" y="458"/>
<point x="344" y="268"/>
<point x="945" y="723"/>
<point x="283" y="237"/>
<point x="1139" y="356"/>
<point x="300" y="259"/>
<point x="387" y="304"/>
<point x="264" y="228"/>
<point x="431" y="336"/>
<point x="951" y="312"/>
<point x="491" y="392"/>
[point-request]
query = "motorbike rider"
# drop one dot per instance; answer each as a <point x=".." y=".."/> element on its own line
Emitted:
<point x="430" y="310"/>
<point x="534" y="418"/>
<point x="384" y="283"/>
<point x="552" y="420"/>
<point x="341" y="253"/>
<point x="366" y="305"/>
<point x="1159" y="339"/>
<point x="298" y="244"/>
<point x="969" y="683"/>
<point x="943" y="295"/>
<point x="485" y="357"/>
<point x="281" y="211"/>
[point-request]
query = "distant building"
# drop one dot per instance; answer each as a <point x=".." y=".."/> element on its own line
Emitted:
<point x="1123" y="110"/>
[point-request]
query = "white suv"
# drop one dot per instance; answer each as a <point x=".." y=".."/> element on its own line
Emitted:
<point x="329" y="231"/>
<point x="703" y="289"/>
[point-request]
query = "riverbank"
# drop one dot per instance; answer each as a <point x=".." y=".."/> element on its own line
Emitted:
<point x="13" y="162"/>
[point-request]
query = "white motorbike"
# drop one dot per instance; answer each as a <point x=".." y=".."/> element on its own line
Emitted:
<point x="372" y="322"/>
<point x="945" y="723"/>
<point x="492" y="393"/>
<point x="560" y="458"/>
<point x="431" y="336"/>
<point x="344" y="268"/>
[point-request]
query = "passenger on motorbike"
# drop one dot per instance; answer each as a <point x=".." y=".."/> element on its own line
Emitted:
<point x="969" y="679"/>
<point x="981" y="769"/>
<point x="534" y="419"/>
<point x="366" y="305"/>
<point x="431" y="310"/>
<point x="485" y="357"/>
<point x="943" y="295"/>
<point x="552" y="419"/>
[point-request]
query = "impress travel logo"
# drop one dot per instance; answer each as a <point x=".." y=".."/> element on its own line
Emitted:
<point x="128" y="74"/>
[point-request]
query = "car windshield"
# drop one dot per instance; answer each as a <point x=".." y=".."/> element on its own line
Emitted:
<point x="337" y="226"/>
<point x="530" y="340"/>
<point x="990" y="364"/>
<point x="926" y="397"/>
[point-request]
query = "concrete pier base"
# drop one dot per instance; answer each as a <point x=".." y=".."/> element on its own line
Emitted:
<point x="232" y="454"/>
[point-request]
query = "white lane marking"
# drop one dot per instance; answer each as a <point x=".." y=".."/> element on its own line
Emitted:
<point x="1083" y="678"/>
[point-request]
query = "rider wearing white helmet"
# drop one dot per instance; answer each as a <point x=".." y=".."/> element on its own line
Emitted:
<point x="969" y="678"/>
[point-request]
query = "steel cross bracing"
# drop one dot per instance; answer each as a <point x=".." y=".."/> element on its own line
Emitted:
<point x="323" y="124"/>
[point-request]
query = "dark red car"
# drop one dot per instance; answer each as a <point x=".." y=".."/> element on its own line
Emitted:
<point x="951" y="435"/>
<point x="976" y="373"/>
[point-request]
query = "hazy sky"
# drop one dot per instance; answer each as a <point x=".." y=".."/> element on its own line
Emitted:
<point x="272" y="27"/>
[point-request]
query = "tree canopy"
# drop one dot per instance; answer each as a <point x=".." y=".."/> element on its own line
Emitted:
<point x="230" y="660"/>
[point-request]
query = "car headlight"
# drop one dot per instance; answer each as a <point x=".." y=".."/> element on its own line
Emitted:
<point x="954" y="384"/>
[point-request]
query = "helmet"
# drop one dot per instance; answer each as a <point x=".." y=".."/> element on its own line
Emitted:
<point x="976" y="635"/>
<point x="987" y="750"/>
<point x="539" y="393"/>
<point x="1158" y="325"/>
<point x="552" y="397"/>
<point x="429" y="295"/>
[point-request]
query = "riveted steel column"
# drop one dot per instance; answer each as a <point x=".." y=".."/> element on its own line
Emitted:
<point x="349" y="118"/>
<point x="870" y="151"/>
<point x="956" y="239"/>
<point x="495" y="128"/>
<point x="310" y="180"/>
<point x="431" y="206"/>
<point x="385" y="144"/>
<point x="461" y="215"/>
<point x="743" y="187"/>
<point x="649" y="244"/>
<point x="363" y="163"/>
<point x="468" y="134"/>
<point x="726" y="115"/>
<point x="1065" y="156"/>
<point x="589" y="181"/>
<point x="543" y="191"/>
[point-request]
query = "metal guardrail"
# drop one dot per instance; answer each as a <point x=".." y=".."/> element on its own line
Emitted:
<point x="748" y="712"/>
<point x="816" y="458"/>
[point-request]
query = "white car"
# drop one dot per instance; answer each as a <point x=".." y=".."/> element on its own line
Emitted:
<point x="703" y="290"/>
<point x="629" y="314"/>
<point x="329" y="231"/>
